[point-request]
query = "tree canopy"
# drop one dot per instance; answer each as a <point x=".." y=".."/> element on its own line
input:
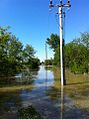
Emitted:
<point x="76" y="53"/>
<point x="13" y="56"/>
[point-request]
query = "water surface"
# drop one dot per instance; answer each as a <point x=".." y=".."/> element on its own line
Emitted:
<point x="45" y="96"/>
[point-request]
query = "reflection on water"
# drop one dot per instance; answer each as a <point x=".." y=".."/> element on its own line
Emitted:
<point x="62" y="103"/>
<point x="46" y="97"/>
<point x="9" y="103"/>
<point x="28" y="113"/>
<point x="24" y="78"/>
<point x="44" y="78"/>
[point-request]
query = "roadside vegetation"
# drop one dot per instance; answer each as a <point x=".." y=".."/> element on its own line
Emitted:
<point x="76" y="53"/>
<point x="13" y="55"/>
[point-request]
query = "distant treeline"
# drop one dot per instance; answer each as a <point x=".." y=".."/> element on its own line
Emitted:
<point x="13" y="55"/>
<point x="76" y="53"/>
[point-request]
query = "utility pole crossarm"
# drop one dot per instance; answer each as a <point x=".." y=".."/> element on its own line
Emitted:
<point x="68" y="5"/>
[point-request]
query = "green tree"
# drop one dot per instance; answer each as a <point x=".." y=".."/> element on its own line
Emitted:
<point x="54" y="43"/>
<point x="10" y="53"/>
<point x="48" y="62"/>
<point x="34" y="64"/>
<point x="28" y="54"/>
<point x="76" y="53"/>
<point x="77" y="56"/>
<point x="29" y="57"/>
<point x="13" y="58"/>
<point x="15" y="52"/>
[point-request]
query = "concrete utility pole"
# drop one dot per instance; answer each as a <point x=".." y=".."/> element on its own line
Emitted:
<point x="61" y="7"/>
<point x="46" y="53"/>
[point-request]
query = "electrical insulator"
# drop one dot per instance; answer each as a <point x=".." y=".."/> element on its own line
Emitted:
<point x="50" y="2"/>
<point x="61" y="2"/>
<point x="69" y="2"/>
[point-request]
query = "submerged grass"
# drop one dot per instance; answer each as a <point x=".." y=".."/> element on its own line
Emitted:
<point x="15" y="88"/>
<point x="82" y="103"/>
<point x="77" y="87"/>
<point x="28" y="113"/>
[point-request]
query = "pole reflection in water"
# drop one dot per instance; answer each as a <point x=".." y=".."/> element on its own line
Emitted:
<point x="62" y="103"/>
<point x="46" y="79"/>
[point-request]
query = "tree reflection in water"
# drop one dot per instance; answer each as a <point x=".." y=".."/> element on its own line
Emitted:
<point x="28" y="113"/>
<point x="9" y="104"/>
<point x="24" y="78"/>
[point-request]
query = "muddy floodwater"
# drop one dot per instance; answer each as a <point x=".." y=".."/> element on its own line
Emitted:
<point x="41" y="90"/>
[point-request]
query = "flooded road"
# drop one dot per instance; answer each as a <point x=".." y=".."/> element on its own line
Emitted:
<point x="45" y="96"/>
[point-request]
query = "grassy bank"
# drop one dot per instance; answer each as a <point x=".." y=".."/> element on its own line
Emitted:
<point x="15" y="88"/>
<point x="77" y="87"/>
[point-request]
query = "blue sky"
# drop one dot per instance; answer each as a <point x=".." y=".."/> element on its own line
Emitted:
<point x="32" y="22"/>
